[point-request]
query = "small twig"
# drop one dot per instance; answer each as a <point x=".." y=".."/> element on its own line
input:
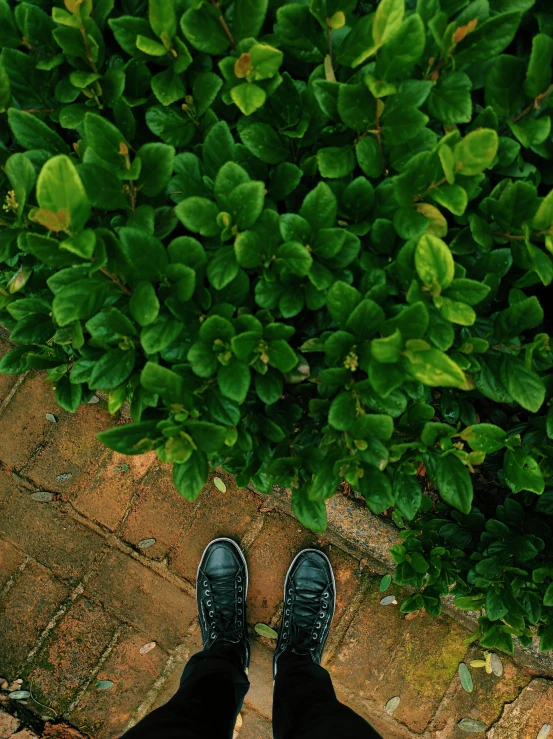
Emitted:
<point x="536" y="104"/>
<point x="222" y="21"/>
<point x="37" y="110"/>
<point x="431" y="187"/>
<point x="88" y="52"/>
<point x="378" y="133"/>
<point x="116" y="280"/>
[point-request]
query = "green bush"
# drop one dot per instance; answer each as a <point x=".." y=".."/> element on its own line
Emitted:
<point x="274" y="228"/>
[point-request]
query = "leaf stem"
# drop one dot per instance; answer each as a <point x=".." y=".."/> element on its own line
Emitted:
<point x="378" y="133"/>
<point x="535" y="104"/>
<point x="116" y="280"/>
<point x="88" y="52"/>
<point x="431" y="187"/>
<point x="223" y="22"/>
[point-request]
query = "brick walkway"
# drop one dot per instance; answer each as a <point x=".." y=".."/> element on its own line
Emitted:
<point x="79" y="597"/>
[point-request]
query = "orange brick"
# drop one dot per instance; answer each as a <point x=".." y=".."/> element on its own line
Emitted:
<point x="106" y="497"/>
<point x="270" y="556"/>
<point x="254" y="726"/>
<point x="159" y="513"/>
<point x="24" y="613"/>
<point x="220" y="514"/>
<point x="105" y="713"/>
<point x="260" y="694"/>
<point x="485" y="703"/>
<point x="69" y="456"/>
<point x="48" y="534"/>
<point x="23" y="422"/>
<point x="10" y="559"/>
<point x="70" y="652"/>
<point x="424" y="663"/>
<point x="144" y="598"/>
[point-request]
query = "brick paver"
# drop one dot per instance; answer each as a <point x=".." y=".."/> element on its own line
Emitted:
<point x="25" y="612"/>
<point x="143" y="597"/>
<point x="71" y="651"/>
<point x="79" y="597"/>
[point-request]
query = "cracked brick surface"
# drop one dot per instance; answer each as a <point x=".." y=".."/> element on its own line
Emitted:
<point x="79" y="597"/>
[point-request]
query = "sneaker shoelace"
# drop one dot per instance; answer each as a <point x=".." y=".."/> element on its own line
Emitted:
<point x="224" y="605"/>
<point x="304" y="616"/>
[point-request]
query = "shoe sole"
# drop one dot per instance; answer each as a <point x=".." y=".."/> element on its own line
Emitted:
<point x="238" y="549"/>
<point x="322" y="554"/>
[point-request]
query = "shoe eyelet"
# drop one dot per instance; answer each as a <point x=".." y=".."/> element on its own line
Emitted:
<point x="289" y="601"/>
<point x="211" y="614"/>
<point x="239" y="623"/>
<point x="287" y="623"/>
<point x="213" y="635"/>
<point x="325" y="605"/>
<point x="287" y="611"/>
<point x="208" y="603"/>
<point x="239" y="588"/>
<point x="239" y="611"/>
<point x="318" y="624"/>
<point x="207" y="592"/>
<point x="325" y="595"/>
<point x="206" y="583"/>
<point x="213" y="625"/>
<point x="239" y="579"/>
<point x="315" y="636"/>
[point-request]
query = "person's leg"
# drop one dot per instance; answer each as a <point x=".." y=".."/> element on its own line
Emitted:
<point x="305" y="704"/>
<point x="212" y="689"/>
<point x="214" y="682"/>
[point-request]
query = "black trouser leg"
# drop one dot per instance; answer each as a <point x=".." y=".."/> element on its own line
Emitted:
<point x="212" y="689"/>
<point x="305" y="704"/>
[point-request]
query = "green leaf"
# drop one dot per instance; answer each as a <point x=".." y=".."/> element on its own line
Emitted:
<point x="32" y="133"/>
<point x="105" y="143"/>
<point x="131" y="438"/>
<point x="310" y="513"/>
<point x="162" y="381"/>
<point x="265" y="631"/>
<point x="144" y="303"/>
<point x="402" y="51"/>
<point x="248" y="17"/>
<point x="163" y="19"/>
<point x="157" y="335"/>
<point x="496" y="608"/>
<point x="191" y="476"/>
<point x="248" y="97"/>
<point x="203" y="31"/>
<point x="524" y="385"/>
<point x="538" y="76"/>
<point x="68" y="395"/>
<point x="433" y="367"/>
<point x="518" y="318"/>
<point x="234" y="380"/>
<point x="466" y="678"/>
<point x="454" y="483"/>
<point x="245" y="203"/>
<point x="145" y="253"/>
<point x="296" y="257"/>
<point x="112" y="369"/>
<point x="222" y="268"/>
<point x="503" y="88"/>
<point x="388" y="17"/>
<point x="199" y="215"/>
<point x="79" y="300"/>
<point x="365" y="319"/>
<point x="450" y="100"/>
<point x="407" y="494"/>
<point x="281" y="355"/>
<point x="264" y="142"/>
<point x="269" y="387"/>
<point x="476" y="152"/>
<point x="343" y="411"/>
<point x="157" y="167"/>
<point x="60" y="192"/>
<point x="341" y="300"/>
<point x="336" y="161"/>
<point x="488" y="40"/>
<point x="484" y="437"/>
<point x="319" y="207"/>
<point x="434" y="262"/>
<point x="468" y="291"/>
<point x="387" y="350"/>
<point x="103" y="188"/>
<point x="370" y="157"/>
<point x="376" y="489"/>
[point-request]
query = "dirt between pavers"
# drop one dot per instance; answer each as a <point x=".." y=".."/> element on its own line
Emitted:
<point x="24" y="725"/>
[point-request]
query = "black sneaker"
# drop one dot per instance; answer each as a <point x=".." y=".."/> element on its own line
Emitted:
<point x="221" y="590"/>
<point x="309" y="602"/>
